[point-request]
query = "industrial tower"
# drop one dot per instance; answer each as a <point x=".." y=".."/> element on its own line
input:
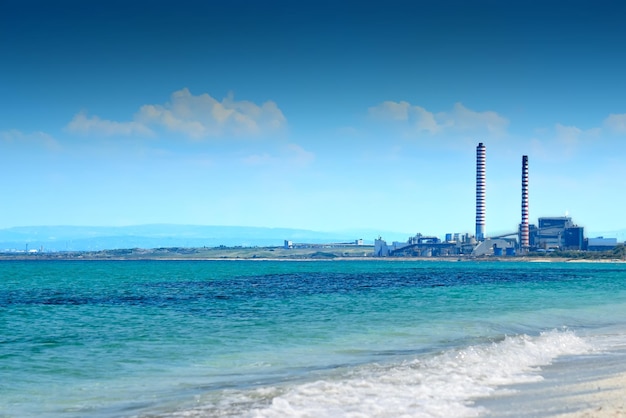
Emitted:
<point x="524" y="234"/>
<point x="481" y="161"/>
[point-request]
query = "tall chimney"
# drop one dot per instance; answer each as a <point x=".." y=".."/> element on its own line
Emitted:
<point x="481" y="159"/>
<point x="524" y="235"/>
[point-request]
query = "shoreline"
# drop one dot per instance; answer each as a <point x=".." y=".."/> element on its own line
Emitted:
<point x="601" y="397"/>
<point x="327" y="260"/>
<point x="276" y="253"/>
<point x="57" y="257"/>
<point x="579" y="386"/>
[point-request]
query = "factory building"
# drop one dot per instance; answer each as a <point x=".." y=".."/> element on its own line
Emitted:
<point x="426" y="246"/>
<point x="557" y="233"/>
<point x="601" y="244"/>
<point x="495" y="246"/>
<point x="574" y="238"/>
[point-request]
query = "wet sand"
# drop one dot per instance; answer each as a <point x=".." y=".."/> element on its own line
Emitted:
<point x="592" y="385"/>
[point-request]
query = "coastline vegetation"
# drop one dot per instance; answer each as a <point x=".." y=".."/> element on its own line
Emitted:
<point x="617" y="253"/>
<point x="280" y="253"/>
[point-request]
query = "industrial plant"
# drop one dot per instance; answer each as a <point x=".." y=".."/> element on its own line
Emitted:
<point x="549" y="234"/>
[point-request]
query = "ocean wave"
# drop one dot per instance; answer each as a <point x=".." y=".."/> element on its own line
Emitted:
<point x="436" y="385"/>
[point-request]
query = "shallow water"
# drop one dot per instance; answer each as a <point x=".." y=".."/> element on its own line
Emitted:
<point x="265" y="338"/>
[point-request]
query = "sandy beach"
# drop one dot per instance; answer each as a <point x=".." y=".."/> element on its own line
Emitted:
<point x="605" y="397"/>
<point x="586" y="386"/>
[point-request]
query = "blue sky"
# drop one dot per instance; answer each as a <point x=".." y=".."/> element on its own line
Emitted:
<point x="311" y="114"/>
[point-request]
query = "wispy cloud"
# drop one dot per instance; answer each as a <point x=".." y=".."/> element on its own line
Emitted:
<point x="460" y="119"/>
<point x="570" y="138"/>
<point x="467" y="120"/>
<point x="416" y="118"/>
<point x="17" y="137"/>
<point x="572" y="135"/>
<point x="87" y="125"/>
<point x="196" y="117"/>
<point x="291" y="155"/>
<point x="563" y="141"/>
<point x="616" y="123"/>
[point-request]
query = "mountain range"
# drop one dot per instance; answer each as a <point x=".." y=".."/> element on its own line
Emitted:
<point x="93" y="238"/>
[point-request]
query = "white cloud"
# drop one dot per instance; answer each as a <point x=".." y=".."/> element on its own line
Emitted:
<point x="460" y="119"/>
<point x="466" y="120"/>
<point x="425" y="120"/>
<point x="418" y="118"/>
<point x="568" y="135"/>
<point x="391" y="111"/>
<point x="616" y="122"/>
<point x="203" y="116"/>
<point x="82" y="124"/>
<point x="194" y="116"/>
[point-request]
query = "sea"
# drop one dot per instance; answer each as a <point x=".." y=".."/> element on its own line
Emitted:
<point x="336" y="338"/>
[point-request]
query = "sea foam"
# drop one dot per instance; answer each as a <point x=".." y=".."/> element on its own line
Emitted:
<point x="437" y="385"/>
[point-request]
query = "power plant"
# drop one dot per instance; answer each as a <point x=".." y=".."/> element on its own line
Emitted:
<point x="556" y="233"/>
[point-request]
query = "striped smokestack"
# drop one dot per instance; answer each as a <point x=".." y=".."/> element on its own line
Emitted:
<point x="481" y="161"/>
<point x="524" y="234"/>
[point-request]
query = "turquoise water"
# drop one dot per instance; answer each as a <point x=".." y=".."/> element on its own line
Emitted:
<point x="265" y="338"/>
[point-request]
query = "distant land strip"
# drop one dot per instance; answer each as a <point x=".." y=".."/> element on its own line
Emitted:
<point x="199" y="253"/>
<point x="362" y="252"/>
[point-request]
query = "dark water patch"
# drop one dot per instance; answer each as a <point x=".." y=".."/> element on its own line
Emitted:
<point x="189" y="289"/>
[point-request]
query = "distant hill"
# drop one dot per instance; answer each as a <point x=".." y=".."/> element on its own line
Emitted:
<point x="90" y="238"/>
